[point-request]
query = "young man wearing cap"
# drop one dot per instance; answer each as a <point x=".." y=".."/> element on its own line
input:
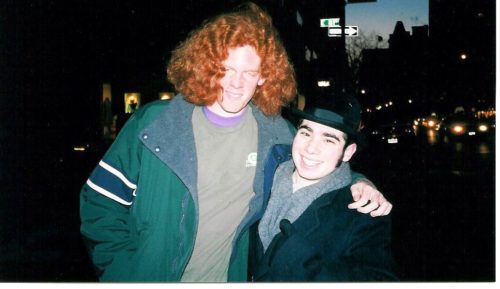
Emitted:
<point x="307" y="233"/>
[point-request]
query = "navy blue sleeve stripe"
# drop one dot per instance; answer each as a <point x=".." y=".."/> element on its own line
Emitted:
<point x="110" y="182"/>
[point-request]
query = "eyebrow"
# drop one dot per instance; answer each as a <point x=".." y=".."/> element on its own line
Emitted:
<point x="305" y="127"/>
<point x="250" y="70"/>
<point x="331" y="136"/>
<point x="308" y="128"/>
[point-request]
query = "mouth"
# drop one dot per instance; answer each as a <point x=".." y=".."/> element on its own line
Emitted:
<point x="309" y="162"/>
<point x="233" y="94"/>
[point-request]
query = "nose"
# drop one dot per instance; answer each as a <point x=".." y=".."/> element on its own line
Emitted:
<point x="237" y="80"/>
<point x="312" y="146"/>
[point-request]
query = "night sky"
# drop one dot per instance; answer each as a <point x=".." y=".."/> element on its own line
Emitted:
<point x="379" y="17"/>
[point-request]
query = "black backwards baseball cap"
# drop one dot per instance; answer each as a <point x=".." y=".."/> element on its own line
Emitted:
<point x="342" y="112"/>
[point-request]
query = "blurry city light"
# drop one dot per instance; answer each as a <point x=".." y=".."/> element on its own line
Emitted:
<point x="410" y="101"/>
<point x="392" y="140"/>
<point x="486" y="113"/>
<point x="386" y="105"/>
<point x="483" y="127"/>
<point x="458" y="129"/>
<point x="323" y="83"/>
<point x="368" y="110"/>
<point x="431" y="123"/>
<point x="166" y="95"/>
<point x="132" y="101"/>
<point x="484" y="148"/>
<point x="379" y="107"/>
<point x="363" y="91"/>
<point x="79" y="148"/>
<point x="390" y="102"/>
<point x="431" y="137"/>
<point x="463" y="56"/>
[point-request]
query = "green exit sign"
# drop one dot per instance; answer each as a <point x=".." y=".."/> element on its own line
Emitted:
<point x="329" y="22"/>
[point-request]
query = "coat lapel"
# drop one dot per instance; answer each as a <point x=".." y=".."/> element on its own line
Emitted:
<point x="310" y="221"/>
<point x="170" y="137"/>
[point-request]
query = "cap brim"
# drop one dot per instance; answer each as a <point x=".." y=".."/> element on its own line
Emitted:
<point x="299" y="114"/>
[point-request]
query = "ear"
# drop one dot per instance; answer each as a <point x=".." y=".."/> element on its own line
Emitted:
<point x="261" y="81"/>
<point x="349" y="152"/>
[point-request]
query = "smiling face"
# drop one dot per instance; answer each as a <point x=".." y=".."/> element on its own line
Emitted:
<point x="317" y="151"/>
<point x="239" y="82"/>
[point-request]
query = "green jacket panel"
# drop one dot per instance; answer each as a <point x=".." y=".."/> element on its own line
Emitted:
<point x="123" y="235"/>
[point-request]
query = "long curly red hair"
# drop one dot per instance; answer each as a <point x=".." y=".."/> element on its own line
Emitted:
<point x="195" y="66"/>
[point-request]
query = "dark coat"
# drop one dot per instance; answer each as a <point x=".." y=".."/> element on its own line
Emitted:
<point x="328" y="242"/>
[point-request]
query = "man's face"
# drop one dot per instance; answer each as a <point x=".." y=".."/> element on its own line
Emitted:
<point x="317" y="151"/>
<point x="240" y="81"/>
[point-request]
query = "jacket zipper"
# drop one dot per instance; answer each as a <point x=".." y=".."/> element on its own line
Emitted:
<point x="183" y="236"/>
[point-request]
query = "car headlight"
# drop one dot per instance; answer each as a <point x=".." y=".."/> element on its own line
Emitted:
<point x="458" y="129"/>
<point x="483" y="127"/>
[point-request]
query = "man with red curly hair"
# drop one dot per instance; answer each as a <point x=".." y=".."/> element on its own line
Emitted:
<point x="173" y="197"/>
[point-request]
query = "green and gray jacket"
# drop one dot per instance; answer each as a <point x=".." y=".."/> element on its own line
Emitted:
<point x="139" y="207"/>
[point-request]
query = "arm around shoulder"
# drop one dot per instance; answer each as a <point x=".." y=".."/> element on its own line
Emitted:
<point x="367" y="199"/>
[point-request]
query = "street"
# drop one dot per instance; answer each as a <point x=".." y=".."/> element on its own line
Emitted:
<point x="443" y="216"/>
<point x="444" y="206"/>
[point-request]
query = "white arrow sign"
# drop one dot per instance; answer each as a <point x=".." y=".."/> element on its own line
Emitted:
<point x="348" y="31"/>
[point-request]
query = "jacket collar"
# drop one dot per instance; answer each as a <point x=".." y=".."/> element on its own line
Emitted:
<point x="170" y="138"/>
